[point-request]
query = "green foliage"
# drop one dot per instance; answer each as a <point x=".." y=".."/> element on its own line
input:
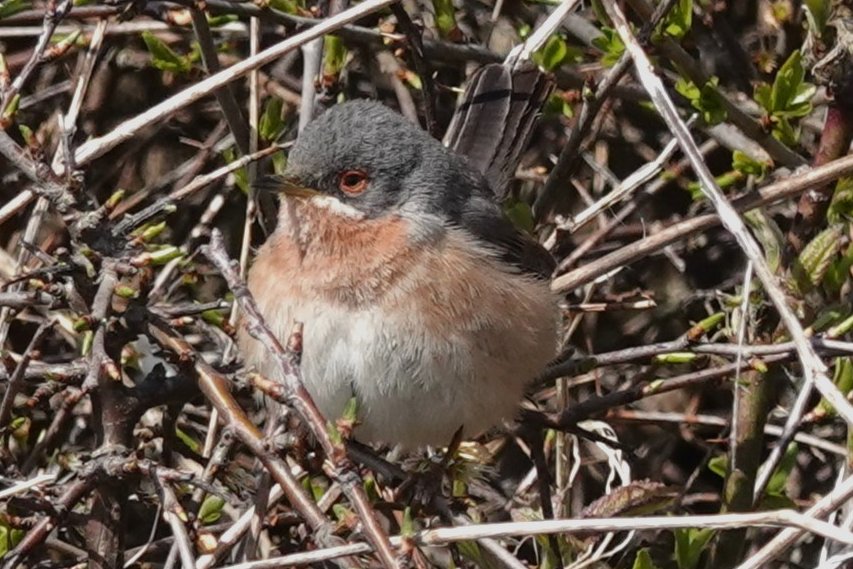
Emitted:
<point x="814" y="260"/>
<point x="187" y="440"/>
<point x="241" y="176"/>
<point x="10" y="7"/>
<point x="748" y="166"/>
<point x="679" y="19"/>
<point x="445" y="17"/>
<point x="334" y="56"/>
<point x="611" y="44"/>
<point x="211" y="509"/>
<point x="286" y="6"/>
<point x="9" y="537"/>
<point x="839" y="271"/>
<point x="817" y="15"/>
<point x="271" y="123"/>
<point x="551" y="55"/>
<point x="843" y="379"/>
<point x="163" y="57"/>
<point x="690" y="543"/>
<point x="841" y="207"/>
<point x="520" y="214"/>
<point x="706" y="100"/>
<point x="774" y="496"/>
<point x="557" y="105"/>
<point x="643" y="560"/>
<point x="789" y="97"/>
<point x="768" y="235"/>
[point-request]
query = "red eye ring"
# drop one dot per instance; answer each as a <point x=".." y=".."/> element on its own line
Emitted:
<point x="352" y="182"/>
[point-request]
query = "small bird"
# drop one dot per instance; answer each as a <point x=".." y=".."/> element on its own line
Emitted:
<point x="418" y="297"/>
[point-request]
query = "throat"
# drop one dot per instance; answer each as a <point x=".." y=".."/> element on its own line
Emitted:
<point x="351" y="259"/>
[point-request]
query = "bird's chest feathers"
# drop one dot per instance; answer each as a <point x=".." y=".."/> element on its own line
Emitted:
<point x="324" y="251"/>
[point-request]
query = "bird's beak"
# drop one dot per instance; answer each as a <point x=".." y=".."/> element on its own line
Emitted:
<point x="290" y="186"/>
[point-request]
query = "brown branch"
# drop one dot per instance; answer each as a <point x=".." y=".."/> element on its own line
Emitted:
<point x="215" y="388"/>
<point x="769" y="194"/>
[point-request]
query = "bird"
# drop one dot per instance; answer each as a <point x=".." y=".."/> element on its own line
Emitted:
<point x="418" y="297"/>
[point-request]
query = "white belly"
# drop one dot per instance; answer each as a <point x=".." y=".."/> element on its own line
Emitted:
<point x="410" y="388"/>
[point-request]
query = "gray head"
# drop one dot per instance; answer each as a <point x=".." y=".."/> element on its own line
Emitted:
<point x="376" y="161"/>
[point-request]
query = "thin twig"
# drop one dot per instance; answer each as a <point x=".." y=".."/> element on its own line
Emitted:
<point x="769" y="194"/>
<point x="121" y="133"/>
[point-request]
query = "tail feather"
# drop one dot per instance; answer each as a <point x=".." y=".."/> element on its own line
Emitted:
<point x="495" y="120"/>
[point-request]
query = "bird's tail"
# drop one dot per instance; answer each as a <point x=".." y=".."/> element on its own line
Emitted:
<point x="493" y="124"/>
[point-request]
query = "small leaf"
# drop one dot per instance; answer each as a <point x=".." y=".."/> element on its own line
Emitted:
<point x="334" y="56"/>
<point x="521" y="215"/>
<point x="10" y="7"/>
<point x="211" y="509"/>
<point x="718" y="465"/>
<point x="552" y="54"/>
<point x="706" y="99"/>
<point x="776" y="485"/>
<point x="163" y="57"/>
<point x="611" y="44"/>
<point x="679" y="19"/>
<point x="271" y="123"/>
<point x="814" y="260"/>
<point x="843" y="379"/>
<point x="643" y="560"/>
<point x="191" y="443"/>
<point x="286" y="6"/>
<point x="445" y="17"/>
<point x="768" y="235"/>
<point x="675" y="358"/>
<point x="690" y="543"/>
<point x="839" y="272"/>
<point x="745" y="164"/>
<point x="817" y="14"/>
<point x="641" y="497"/>
<point x="841" y="207"/>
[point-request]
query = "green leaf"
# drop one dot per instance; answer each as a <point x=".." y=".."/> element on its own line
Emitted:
<point x="788" y="80"/>
<point x="163" y="57"/>
<point x="813" y="262"/>
<point x="643" y="560"/>
<point x="768" y="235"/>
<point x="520" y="214"/>
<point x="286" y="6"/>
<point x="10" y="7"/>
<point x="718" y="465"/>
<point x="445" y="17"/>
<point x="679" y="19"/>
<point x="271" y="123"/>
<point x="334" y="56"/>
<point x="191" y="443"/>
<point x="690" y="543"/>
<point x="706" y="99"/>
<point x="241" y="177"/>
<point x="611" y="44"/>
<point x="841" y="206"/>
<point x="839" y="272"/>
<point x="745" y="164"/>
<point x="211" y="509"/>
<point x="776" y="485"/>
<point x="817" y="14"/>
<point x="552" y="54"/>
<point x="843" y="379"/>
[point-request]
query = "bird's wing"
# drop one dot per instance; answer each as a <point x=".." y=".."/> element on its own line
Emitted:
<point x="493" y="124"/>
<point x="486" y="222"/>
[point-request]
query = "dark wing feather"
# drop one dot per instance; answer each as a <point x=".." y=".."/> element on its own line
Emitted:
<point x="493" y="124"/>
<point x="483" y="219"/>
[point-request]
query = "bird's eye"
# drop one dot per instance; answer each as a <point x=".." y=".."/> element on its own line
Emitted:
<point x="352" y="182"/>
